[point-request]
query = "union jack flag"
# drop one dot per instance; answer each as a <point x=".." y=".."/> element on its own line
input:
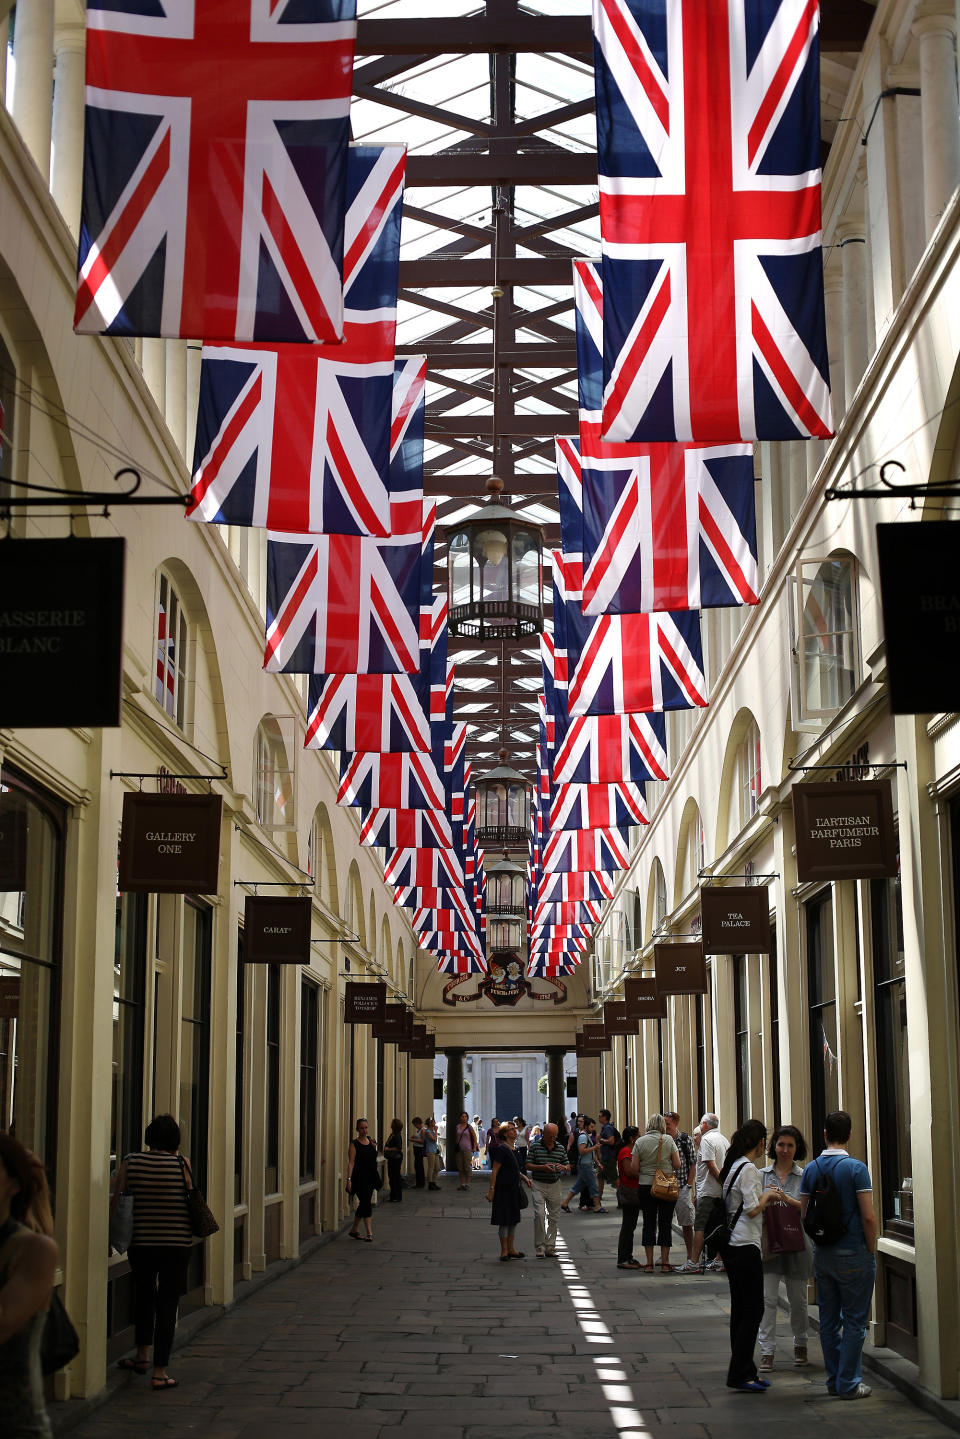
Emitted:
<point x="573" y="913"/>
<point x="461" y="964"/>
<point x="406" y="424"/>
<point x="539" y="932"/>
<point x="575" y="885"/>
<point x="296" y="437"/>
<point x="215" y="211"/>
<point x="608" y="749"/>
<point x="344" y="604"/>
<point x="424" y="870"/>
<point x="447" y="940"/>
<point x="544" y="967"/>
<point x="390" y="781"/>
<point x="447" y="918"/>
<point x="406" y="829"/>
<point x="548" y="949"/>
<point x="596" y="850"/>
<point x="436" y="898"/>
<point x="598" y="806"/>
<point x="708" y="144"/>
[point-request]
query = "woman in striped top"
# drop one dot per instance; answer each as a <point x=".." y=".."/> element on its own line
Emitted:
<point x="160" y="1248"/>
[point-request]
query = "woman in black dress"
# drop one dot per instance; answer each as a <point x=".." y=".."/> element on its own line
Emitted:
<point x="393" y="1149"/>
<point x="362" y="1179"/>
<point x="504" y="1191"/>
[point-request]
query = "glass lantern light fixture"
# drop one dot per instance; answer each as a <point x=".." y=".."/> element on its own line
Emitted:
<point x="495" y="573"/>
<point x="505" y="936"/>
<point x="506" y="892"/>
<point x="503" y="800"/>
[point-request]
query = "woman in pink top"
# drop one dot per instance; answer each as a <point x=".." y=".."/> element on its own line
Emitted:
<point x="466" y="1143"/>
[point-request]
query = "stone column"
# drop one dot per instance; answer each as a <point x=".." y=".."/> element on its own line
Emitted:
<point x="853" y="267"/>
<point x="175" y="386"/>
<point x="935" y="29"/>
<point x="454" y="1103"/>
<point x="66" y="164"/>
<point x="154" y="365"/>
<point x="556" y="1088"/>
<point x="33" y="87"/>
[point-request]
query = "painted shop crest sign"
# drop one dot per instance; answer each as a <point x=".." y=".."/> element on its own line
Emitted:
<point x="505" y="984"/>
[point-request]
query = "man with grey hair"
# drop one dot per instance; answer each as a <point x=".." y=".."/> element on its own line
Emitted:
<point x="710" y="1157"/>
<point x="546" y="1164"/>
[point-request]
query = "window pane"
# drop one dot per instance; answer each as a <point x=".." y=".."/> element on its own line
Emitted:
<point x="821" y="988"/>
<point x="195" y="1038"/>
<point x="309" y="1007"/>
<point x="129" y="1011"/>
<point x="893" y="1074"/>
<point x="272" y="1138"/>
<point x="828" y="651"/>
<point x="238" y="1090"/>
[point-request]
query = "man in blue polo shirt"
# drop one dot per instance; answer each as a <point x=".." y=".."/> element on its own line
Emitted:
<point x="845" y="1271"/>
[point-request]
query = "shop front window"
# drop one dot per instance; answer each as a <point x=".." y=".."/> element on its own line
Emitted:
<point x="822" y="998"/>
<point x="31" y="903"/>
<point x="195" y="1038"/>
<point x="272" y="1128"/>
<point x="309" y="1035"/>
<point x="129" y="1014"/>
<point x="893" y="1065"/>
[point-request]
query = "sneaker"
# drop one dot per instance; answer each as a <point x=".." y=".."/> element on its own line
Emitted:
<point x="716" y="1267"/>
<point x="766" y="1363"/>
<point x="753" y="1386"/>
<point x="800" y="1355"/>
<point x="862" y="1391"/>
<point x="540" y="1254"/>
<point x="689" y="1268"/>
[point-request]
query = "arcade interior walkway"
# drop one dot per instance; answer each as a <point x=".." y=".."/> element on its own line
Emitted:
<point x="423" y="1332"/>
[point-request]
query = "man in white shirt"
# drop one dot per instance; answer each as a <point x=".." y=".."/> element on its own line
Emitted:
<point x="710" y="1157"/>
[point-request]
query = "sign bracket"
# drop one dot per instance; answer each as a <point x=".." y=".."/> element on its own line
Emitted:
<point x="845" y="764"/>
<point x="252" y="885"/>
<point x="47" y="496"/>
<point x="894" y="491"/>
<point x="717" y="878"/>
<point x="141" y="775"/>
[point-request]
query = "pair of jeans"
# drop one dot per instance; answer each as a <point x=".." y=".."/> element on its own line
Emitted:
<point x="546" y="1206"/>
<point x="586" y="1180"/>
<point x="629" y="1215"/>
<point x="796" y="1298"/>
<point x="657" y="1219"/>
<point x="159" y="1279"/>
<point x="394" y="1165"/>
<point x="745" y="1276"/>
<point x="845" y="1280"/>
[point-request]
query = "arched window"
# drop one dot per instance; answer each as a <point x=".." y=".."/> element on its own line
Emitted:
<point x="659" y="895"/>
<point x="748" y="778"/>
<point x="273" y="780"/>
<point x="826" y="653"/>
<point x="172" y="648"/>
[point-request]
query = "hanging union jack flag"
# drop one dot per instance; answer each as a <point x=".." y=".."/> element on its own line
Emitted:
<point x="575" y="885"/>
<point x="344" y="604"/>
<point x="424" y="870"/>
<point x="708" y="126"/>
<point x="298" y="437"/>
<point x="390" y="781"/>
<point x="594" y="850"/>
<point x="214" y="168"/>
<point x="597" y="806"/>
<point x="406" y="828"/>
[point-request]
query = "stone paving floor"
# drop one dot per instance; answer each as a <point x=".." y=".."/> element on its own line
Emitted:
<point x="424" y="1333"/>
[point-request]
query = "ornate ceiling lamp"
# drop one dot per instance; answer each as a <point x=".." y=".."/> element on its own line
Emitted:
<point x="503" y="799"/>
<point x="506" y="892"/>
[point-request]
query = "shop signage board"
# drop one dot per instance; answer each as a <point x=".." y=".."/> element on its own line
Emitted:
<point x="9" y="998"/>
<point x="595" y="1038"/>
<point x="364" y="1003"/>
<point x="394" y="1026"/>
<point x="844" y="830"/>
<point x="680" y="968"/>
<point x="276" y="930"/>
<point x="735" y="918"/>
<point x="589" y="1049"/>
<point x="170" y="843"/>
<point x="13" y="844"/>
<point x="920" y="594"/>
<point x="643" y="999"/>
<point x="617" y="1018"/>
<point x="61" y="633"/>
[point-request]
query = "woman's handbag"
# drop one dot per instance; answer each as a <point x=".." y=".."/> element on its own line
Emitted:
<point x="628" y="1197"/>
<point x="664" y="1186"/>
<point x="121" y="1223"/>
<point x="202" y="1222"/>
<point x="524" y="1197"/>
<point x="60" y="1342"/>
<point x="783" y="1229"/>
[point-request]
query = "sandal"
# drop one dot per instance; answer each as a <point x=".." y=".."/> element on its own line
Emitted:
<point x="136" y="1366"/>
<point x="565" y="1208"/>
<point x="504" y="1258"/>
<point x="353" y="1234"/>
<point x="648" y="1269"/>
<point x="629" y="1264"/>
<point x="668" y="1269"/>
<point x="519" y="1254"/>
<point x="158" y="1385"/>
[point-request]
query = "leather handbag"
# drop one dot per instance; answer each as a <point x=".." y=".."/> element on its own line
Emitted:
<point x="783" y="1229"/>
<point x="202" y="1222"/>
<point x="524" y="1197"/>
<point x="121" y="1222"/>
<point x="664" y="1186"/>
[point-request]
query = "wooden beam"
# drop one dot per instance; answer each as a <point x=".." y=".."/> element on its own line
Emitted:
<point x="517" y="34"/>
<point x="548" y="167"/>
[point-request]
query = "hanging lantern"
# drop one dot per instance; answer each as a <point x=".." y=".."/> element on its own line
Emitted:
<point x="506" y="892"/>
<point x="495" y="573"/>
<point x="505" y="936"/>
<point x="503" y="801"/>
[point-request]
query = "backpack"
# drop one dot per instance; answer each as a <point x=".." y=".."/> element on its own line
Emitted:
<point x="823" y="1220"/>
<point x="615" y="1141"/>
<point x="720" y="1225"/>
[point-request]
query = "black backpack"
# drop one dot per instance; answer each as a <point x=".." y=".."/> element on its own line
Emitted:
<point x="823" y="1220"/>
<point x="615" y="1141"/>
<point x="720" y="1225"/>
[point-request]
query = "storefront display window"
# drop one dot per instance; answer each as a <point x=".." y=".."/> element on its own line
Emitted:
<point x="129" y="1011"/>
<point x="31" y="901"/>
<point x="893" y="1065"/>
<point x="822" y="999"/>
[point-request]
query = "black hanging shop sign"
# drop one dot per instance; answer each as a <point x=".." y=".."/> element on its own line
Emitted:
<point x="736" y="919"/>
<point x="643" y="999"/>
<point x="920" y="594"/>
<point x="13" y="844"/>
<point x="170" y="843"/>
<point x="61" y="633"/>
<point x="617" y="1018"/>
<point x="276" y="929"/>
<point x="680" y="969"/>
<point x="595" y="1038"/>
<point x="394" y="1025"/>
<point x="365" y="1003"/>
<point x="844" y="830"/>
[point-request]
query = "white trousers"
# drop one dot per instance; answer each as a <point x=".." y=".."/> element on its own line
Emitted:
<point x="546" y="1207"/>
<point x="796" y="1298"/>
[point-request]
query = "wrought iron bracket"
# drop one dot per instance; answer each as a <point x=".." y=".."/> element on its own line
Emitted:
<point x="164" y="775"/>
<point x="893" y="491"/>
<point x="48" y="497"/>
<point x="832" y="768"/>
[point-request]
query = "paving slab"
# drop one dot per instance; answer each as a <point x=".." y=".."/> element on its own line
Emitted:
<point x="425" y="1332"/>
